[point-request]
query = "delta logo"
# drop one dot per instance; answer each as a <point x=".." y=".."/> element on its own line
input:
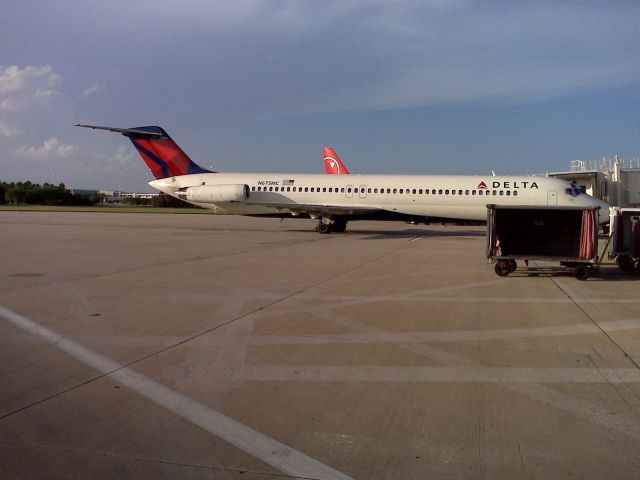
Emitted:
<point x="510" y="185"/>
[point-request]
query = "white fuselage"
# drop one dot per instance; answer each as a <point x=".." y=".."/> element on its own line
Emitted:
<point x="454" y="197"/>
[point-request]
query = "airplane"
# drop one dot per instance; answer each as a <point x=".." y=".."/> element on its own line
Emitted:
<point x="334" y="200"/>
<point x="332" y="162"/>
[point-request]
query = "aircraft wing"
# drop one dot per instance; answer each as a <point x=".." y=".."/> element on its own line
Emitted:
<point x="319" y="209"/>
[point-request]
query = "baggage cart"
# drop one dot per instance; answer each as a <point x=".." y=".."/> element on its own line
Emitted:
<point x="625" y="238"/>
<point x="568" y="235"/>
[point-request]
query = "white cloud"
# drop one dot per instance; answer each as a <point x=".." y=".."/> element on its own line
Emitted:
<point x="125" y="155"/>
<point x="52" y="147"/>
<point x="95" y="88"/>
<point x="26" y="90"/>
<point x="54" y="80"/>
<point x="6" y="105"/>
<point x="6" y="131"/>
<point x="14" y="78"/>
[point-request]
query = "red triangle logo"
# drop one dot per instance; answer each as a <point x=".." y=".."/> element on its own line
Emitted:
<point x="482" y="185"/>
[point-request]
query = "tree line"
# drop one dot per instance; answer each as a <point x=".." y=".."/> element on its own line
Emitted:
<point x="27" y="193"/>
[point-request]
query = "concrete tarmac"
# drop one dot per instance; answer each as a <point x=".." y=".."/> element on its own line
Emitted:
<point x="206" y="347"/>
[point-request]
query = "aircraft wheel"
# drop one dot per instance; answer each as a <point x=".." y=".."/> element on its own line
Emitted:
<point x="339" y="227"/>
<point x="502" y="268"/>
<point x="512" y="266"/>
<point x="323" y="228"/>
<point x="581" y="272"/>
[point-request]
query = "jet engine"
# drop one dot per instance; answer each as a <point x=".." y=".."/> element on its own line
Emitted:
<point x="214" y="193"/>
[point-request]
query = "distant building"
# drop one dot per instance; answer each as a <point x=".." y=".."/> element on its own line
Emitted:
<point x="83" y="192"/>
<point x="115" y="196"/>
<point x="615" y="181"/>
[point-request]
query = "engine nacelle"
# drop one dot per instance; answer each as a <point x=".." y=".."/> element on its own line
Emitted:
<point x="215" y="193"/>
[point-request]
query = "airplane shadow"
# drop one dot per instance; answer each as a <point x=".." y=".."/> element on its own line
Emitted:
<point x="607" y="273"/>
<point x="414" y="233"/>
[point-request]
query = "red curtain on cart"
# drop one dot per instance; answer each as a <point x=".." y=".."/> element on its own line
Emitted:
<point x="588" y="235"/>
<point x="494" y="241"/>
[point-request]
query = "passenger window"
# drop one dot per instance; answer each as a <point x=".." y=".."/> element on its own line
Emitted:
<point x="306" y="189"/>
<point x="368" y="190"/>
<point x="508" y="193"/>
<point x="480" y="192"/>
<point x="342" y="190"/>
<point x="253" y="189"/>
<point x="459" y="192"/>
<point x="446" y="192"/>
<point x="515" y="193"/>
<point x="440" y="192"/>
<point x="453" y="192"/>
<point x="348" y="190"/>
<point x="375" y="190"/>
<point x="473" y="192"/>
<point x="501" y="193"/>
<point x="401" y="191"/>
<point x="288" y="189"/>
<point x="495" y="192"/>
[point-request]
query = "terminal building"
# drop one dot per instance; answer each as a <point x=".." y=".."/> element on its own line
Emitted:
<point x="615" y="181"/>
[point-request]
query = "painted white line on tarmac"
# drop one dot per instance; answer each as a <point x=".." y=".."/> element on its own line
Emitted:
<point x="446" y="336"/>
<point x="479" y="374"/>
<point x="270" y="451"/>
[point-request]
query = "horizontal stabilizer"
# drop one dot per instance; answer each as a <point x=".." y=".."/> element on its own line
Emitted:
<point x="128" y="131"/>
<point x="162" y="155"/>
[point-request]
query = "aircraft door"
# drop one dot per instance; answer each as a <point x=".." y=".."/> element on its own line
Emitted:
<point x="363" y="191"/>
<point x="552" y="198"/>
<point x="348" y="191"/>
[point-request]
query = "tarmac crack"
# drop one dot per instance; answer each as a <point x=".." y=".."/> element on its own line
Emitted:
<point x="8" y="444"/>
<point x="595" y="322"/>
<point x="198" y="335"/>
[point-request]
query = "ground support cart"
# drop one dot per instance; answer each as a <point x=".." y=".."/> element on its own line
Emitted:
<point x="568" y="235"/>
<point x="625" y="238"/>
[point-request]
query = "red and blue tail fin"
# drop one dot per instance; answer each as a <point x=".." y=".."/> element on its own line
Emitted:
<point x="332" y="162"/>
<point x="162" y="155"/>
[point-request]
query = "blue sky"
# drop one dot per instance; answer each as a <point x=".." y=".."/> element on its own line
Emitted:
<point x="395" y="86"/>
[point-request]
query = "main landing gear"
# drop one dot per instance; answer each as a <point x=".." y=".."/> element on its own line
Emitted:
<point x="328" y="226"/>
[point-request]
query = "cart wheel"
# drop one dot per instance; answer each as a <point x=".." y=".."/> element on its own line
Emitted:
<point x="581" y="272"/>
<point x="502" y="268"/>
<point x="625" y="263"/>
<point x="512" y="266"/>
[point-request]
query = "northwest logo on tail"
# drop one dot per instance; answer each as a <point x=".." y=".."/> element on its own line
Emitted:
<point x="332" y="162"/>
